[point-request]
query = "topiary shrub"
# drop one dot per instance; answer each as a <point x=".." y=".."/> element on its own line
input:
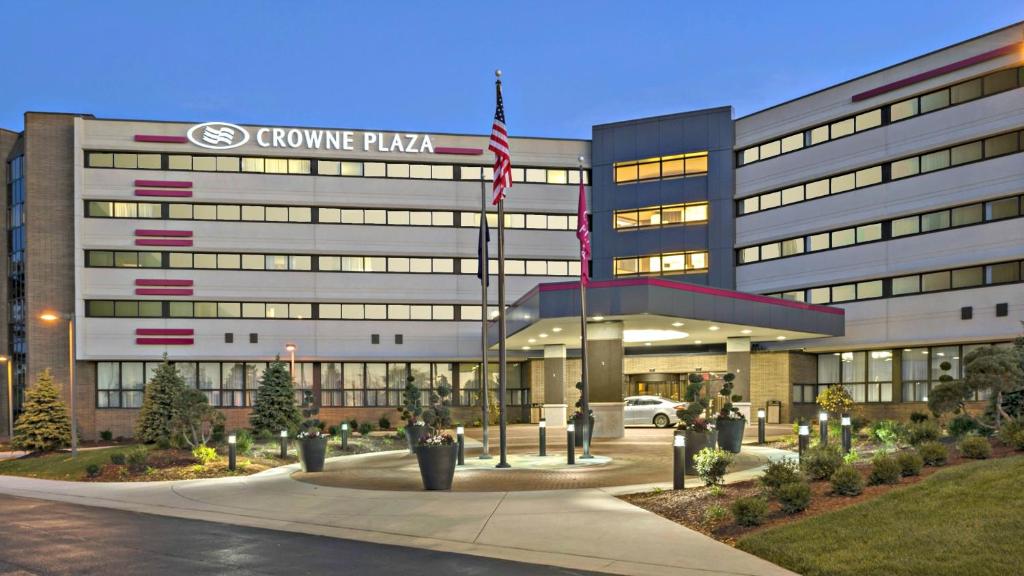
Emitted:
<point x="92" y="470"/>
<point x="137" y="459"/>
<point x="910" y="462"/>
<point x="918" y="432"/>
<point x="794" y="497"/>
<point x="975" y="447"/>
<point x="749" y="511"/>
<point x="711" y="464"/>
<point x="933" y="453"/>
<point x="204" y="454"/>
<point x="106" y="435"/>
<point x="885" y="470"/>
<point x="780" y="472"/>
<point x="847" y="481"/>
<point x="821" y="462"/>
<point x="835" y="400"/>
<point x="117" y="458"/>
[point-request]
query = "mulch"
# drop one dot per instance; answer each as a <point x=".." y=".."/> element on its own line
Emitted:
<point x="175" y="464"/>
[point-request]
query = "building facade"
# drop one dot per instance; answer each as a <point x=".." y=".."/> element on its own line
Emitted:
<point x="225" y="246"/>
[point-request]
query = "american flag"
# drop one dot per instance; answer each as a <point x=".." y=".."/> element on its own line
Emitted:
<point x="583" y="233"/>
<point x="502" y="159"/>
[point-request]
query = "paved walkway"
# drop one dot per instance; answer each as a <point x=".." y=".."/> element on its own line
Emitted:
<point x="587" y="529"/>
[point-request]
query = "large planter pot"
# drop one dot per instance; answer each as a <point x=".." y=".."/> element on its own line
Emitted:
<point x="437" y="465"/>
<point x="730" y="434"/>
<point x="312" y="452"/>
<point x="413" y="434"/>
<point x="577" y="421"/>
<point x="695" y="442"/>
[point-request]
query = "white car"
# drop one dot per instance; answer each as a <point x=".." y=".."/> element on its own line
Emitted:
<point x="644" y="410"/>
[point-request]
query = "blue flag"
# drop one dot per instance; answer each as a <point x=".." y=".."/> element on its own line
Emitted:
<point x="482" y="244"/>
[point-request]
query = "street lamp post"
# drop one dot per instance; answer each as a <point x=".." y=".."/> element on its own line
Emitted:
<point x="53" y="317"/>
<point x="291" y="348"/>
<point x="10" y="395"/>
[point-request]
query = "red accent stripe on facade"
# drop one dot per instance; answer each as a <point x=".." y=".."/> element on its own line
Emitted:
<point x="169" y="193"/>
<point x="161" y="242"/>
<point x="556" y="286"/>
<point x="163" y="233"/>
<point x="159" y="138"/>
<point x="163" y="292"/>
<point x="165" y="341"/>
<point x="164" y="183"/>
<point x="164" y="332"/>
<point x="1008" y="49"/>
<point x="162" y="282"/>
<point x="458" y="151"/>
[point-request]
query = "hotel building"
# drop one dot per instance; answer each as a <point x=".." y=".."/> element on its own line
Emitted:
<point x="862" y="235"/>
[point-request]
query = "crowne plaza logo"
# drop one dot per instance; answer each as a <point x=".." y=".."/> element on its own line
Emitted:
<point x="218" y="135"/>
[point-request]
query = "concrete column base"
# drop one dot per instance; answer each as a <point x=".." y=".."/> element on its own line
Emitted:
<point x="554" y="415"/>
<point x="609" y="418"/>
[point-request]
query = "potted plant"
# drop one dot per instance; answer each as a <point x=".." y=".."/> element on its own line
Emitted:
<point x="436" y="452"/>
<point x="577" y="420"/>
<point x="312" y="446"/>
<point x="412" y="410"/>
<point x="694" y="425"/>
<point x="730" y="422"/>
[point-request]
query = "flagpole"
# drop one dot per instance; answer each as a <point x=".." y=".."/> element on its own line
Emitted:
<point x="585" y="372"/>
<point x="484" y="280"/>
<point x="502" y="357"/>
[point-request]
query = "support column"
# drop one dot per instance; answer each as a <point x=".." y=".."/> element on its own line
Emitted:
<point x="605" y="352"/>
<point x="554" y="411"/>
<point x="737" y="361"/>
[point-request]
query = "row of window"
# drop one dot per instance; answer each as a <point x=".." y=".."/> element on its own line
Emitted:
<point x="662" y="264"/>
<point x="654" y="216"/>
<point x="314" y="215"/>
<point x="280" y="310"/>
<point x="308" y="263"/>
<point x="959" y="155"/>
<point x="676" y="166"/>
<point x="886" y="230"/>
<point x="351" y="168"/>
<point x="988" y="85"/>
<point x="942" y="280"/>
<point x="869" y="375"/>
<point x="233" y="384"/>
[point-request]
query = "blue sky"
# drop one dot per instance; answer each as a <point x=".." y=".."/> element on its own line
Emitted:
<point x="428" y="66"/>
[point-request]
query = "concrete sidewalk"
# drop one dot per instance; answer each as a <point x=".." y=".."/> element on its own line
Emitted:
<point x="588" y="529"/>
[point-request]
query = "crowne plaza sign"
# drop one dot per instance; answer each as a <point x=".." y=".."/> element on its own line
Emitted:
<point x="224" y="136"/>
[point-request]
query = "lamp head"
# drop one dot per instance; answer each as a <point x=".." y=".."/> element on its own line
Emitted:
<point x="570" y="428"/>
<point x="49" y="316"/>
<point x="290" y="347"/>
<point x="284" y="433"/>
<point x="231" y="439"/>
<point x="679" y="440"/>
<point x="760" y="413"/>
<point x="460" y="430"/>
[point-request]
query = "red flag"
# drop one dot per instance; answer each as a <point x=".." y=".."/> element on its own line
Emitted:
<point x="583" y="233"/>
<point x="502" y="158"/>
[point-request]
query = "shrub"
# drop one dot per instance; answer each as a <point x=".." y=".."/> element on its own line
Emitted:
<point x="1018" y="440"/>
<point x="918" y="432"/>
<point x="156" y="417"/>
<point x="106" y="435"/>
<point x="851" y="457"/>
<point x="916" y="417"/>
<point x="711" y="464"/>
<point x="910" y="462"/>
<point x="885" y="470"/>
<point x="715" y="514"/>
<point x="266" y="436"/>
<point x="821" y="462"/>
<point x="847" y="481"/>
<point x="44" y="425"/>
<point x="835" y="399"/>
<point x="353" y="425"/>
<point x="961" y="425"/>
<point x="204" y="454"/>
<point x="384" y="423"/>
<point x="780" y="472"/>
<point x="117" y="458"/>
<point x="716" y="491"/>
<point x="365" y="428"/>
<point x="195" y="421"/>
<point x="886" y="431"/>
<point x="92" y="470"/>
<point x="274" y="408"/>
<point x="858" y="423"/>
<point x="975" y="447"/>
<point x="933" y="453"/>
<point x="749" y="511"/>
<point x="137" y="458"/>
<point x="794" y="497"/>
<point x="334" y="430"/>
<point x="244" y="441"/>
<point x="1009" y="431"/>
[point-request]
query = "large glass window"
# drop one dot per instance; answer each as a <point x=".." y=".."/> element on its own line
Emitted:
<point x="691" y="164"/>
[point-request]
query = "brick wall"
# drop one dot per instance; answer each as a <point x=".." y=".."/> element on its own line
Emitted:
<point x="7" y="141"/>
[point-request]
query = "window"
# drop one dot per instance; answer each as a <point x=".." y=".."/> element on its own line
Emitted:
<point x="691" y="164"/>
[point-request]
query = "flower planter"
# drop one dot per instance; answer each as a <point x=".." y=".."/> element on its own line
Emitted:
<point x="730" y="434"/>
<point x="437" y="465"/>
<point x="577" y="421"/>
<point x="413" y="434"/>
<point x="695" y="442"/>
<point x="312" y="452"/>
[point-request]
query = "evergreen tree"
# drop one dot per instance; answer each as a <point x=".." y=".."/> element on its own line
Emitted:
<point x="158" y="404"/>
<point x="44" y="425"/>
<point x="274" y="408"/>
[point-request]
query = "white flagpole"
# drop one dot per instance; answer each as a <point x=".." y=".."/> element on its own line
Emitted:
<point x="484" y="280"/>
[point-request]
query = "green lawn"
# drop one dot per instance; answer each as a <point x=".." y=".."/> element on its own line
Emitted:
<point x="59" y="465"/>
<point x="964" y="520"/>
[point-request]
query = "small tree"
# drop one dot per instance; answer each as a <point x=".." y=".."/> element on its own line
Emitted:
<point x="274" y="408"/>
<point x="835" y="400"/>
<point x="694" y="416"/>
<point x="156" y="417"/>
<point x="729" y="411"/>
<point x="412" y="402"/>
<point x="997" y="370"/>
<point x="194" y="418"/>
<point x="438" y="415"/>
<point x="44" y="425"/>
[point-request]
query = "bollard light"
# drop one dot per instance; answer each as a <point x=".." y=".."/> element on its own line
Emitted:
<point x="570" y="446"/>
<point x="823" y="428"/>
<point x="760" y="427"/>
<point x="460" y="433"/>
<point x="847" y="434"/>
<point x="344" y="435"/>
<point x="232" y="439"/>
<point x="284" y="444"/>
<point x="542" y="427"/>
<point x="678" y="462"/>
<point x="804" y="433"/>
<point x="231" y="452"/>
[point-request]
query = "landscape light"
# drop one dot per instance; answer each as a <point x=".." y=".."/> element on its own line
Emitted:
<point x="284" y="433"/>
<point x="760" y="413"/>
<point x="231" y="439"/>
<point x="679" y="440"/>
